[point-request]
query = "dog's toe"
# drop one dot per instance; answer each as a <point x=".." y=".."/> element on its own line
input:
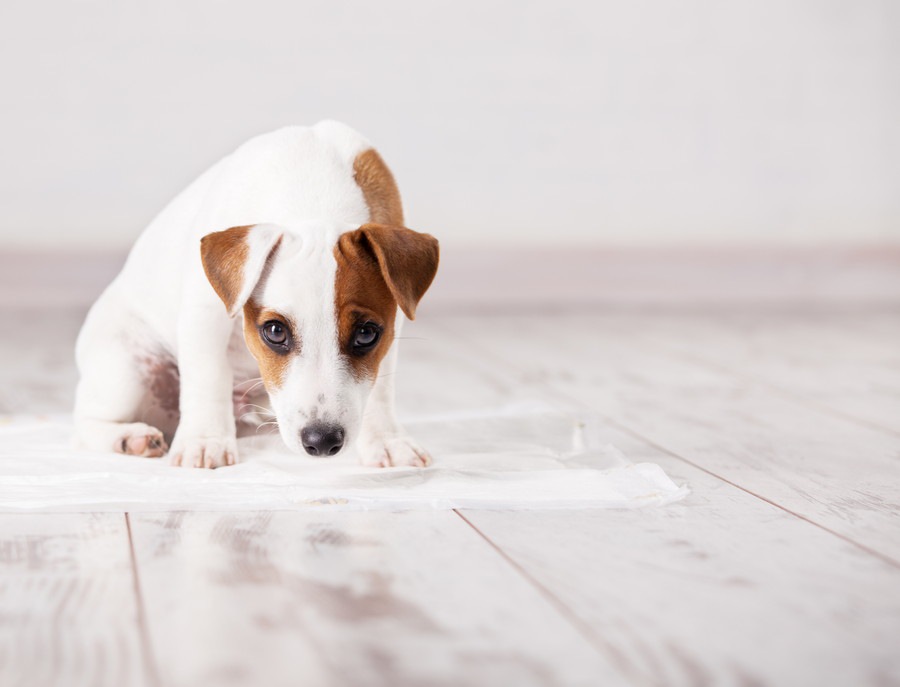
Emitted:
<point x="396" y="452"/>
<point x="204" y="453"/>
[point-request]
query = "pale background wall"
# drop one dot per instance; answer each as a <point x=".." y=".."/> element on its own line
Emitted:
<point x="542" y="122"/>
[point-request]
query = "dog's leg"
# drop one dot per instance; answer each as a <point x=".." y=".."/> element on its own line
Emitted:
<point x="112" y="387"/>
<point x="382" y="441"/>
<point x="206" y="435"/>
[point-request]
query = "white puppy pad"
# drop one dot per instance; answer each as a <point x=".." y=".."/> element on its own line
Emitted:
<point x="509" y="459"/>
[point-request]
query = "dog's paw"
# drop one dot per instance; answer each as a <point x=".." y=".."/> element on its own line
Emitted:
<point x="139" y="439"/>
<point x="203" y="452"/>
<point x="393" y="451"/>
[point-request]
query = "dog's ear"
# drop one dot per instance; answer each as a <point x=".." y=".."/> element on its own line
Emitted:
<point x="408" y="260"/>
<point x="234" y="261"/>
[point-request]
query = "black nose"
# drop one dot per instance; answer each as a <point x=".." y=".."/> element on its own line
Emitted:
<point x="321" y="439"/>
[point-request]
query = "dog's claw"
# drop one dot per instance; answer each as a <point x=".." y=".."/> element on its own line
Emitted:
<point x="203" y="453"/>
<point x="395" y="452"/>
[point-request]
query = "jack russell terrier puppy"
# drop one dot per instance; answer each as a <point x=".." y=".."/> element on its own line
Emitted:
<point x="281" y="266"/>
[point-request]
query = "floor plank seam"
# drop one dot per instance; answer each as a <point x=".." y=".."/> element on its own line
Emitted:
<point x="550" y="390"/>
<point x="149" y="656"/>
<point x="883" y="557"/>
<point x="583" y="628"/>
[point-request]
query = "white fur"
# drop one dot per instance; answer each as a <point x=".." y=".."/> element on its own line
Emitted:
<point x="295" y="184"/>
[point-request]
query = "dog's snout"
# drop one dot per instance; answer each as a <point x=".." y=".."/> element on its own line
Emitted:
<point x="320" y="439"/>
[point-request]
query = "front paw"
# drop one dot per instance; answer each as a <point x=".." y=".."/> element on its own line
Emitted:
<point x="203" y="452"/>
<point x="395" y="451"/>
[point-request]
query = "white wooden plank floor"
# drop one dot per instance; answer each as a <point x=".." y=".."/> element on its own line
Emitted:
<point x="782" y="567"/>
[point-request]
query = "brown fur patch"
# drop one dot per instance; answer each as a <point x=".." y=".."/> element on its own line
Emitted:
<point x="224" y="254"/>
<point x="379" y="268"/>
<point x="407" y="260"/>
<point x="379" y="188"/>
<point x="361" y="295"/>
<point x="272" y="366"/>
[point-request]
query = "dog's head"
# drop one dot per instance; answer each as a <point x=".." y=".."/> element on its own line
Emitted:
<point x="319" y="310"/>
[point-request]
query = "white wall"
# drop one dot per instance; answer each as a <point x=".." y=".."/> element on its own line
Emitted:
<point x="549" y="122"/>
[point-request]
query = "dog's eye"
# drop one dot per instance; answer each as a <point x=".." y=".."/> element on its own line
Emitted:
<point x="275" y="334"/>
<point x="365" y="336"/>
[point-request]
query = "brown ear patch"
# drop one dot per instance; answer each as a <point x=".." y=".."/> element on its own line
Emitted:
<point x="224" y="254"/>
<point x="272" y="366"/>
<point x="361" y="296"/>
<point x="408" y="260"/>
<point x="379" y="188"/>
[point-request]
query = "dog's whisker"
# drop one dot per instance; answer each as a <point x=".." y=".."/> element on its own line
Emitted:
<point x="245" y="415"/>
<point x="261" y="409"/>
<point x="248" y="381"/>
<point x="253" y="383"/>
<point x="250" y="390"/>
<point x="273" y="424"/>
<point x="251" y="415"/>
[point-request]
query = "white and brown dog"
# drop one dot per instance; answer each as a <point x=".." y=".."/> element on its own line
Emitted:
<point x="301" y="232"/>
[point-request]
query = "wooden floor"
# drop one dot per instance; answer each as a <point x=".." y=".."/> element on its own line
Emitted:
<point x="781" y="568"/>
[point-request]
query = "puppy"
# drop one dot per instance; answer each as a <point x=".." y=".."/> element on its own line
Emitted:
<point x="266" y="292"/>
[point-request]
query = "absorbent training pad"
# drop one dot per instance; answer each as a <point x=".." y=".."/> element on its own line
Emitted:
<point x="511" y="458"/>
